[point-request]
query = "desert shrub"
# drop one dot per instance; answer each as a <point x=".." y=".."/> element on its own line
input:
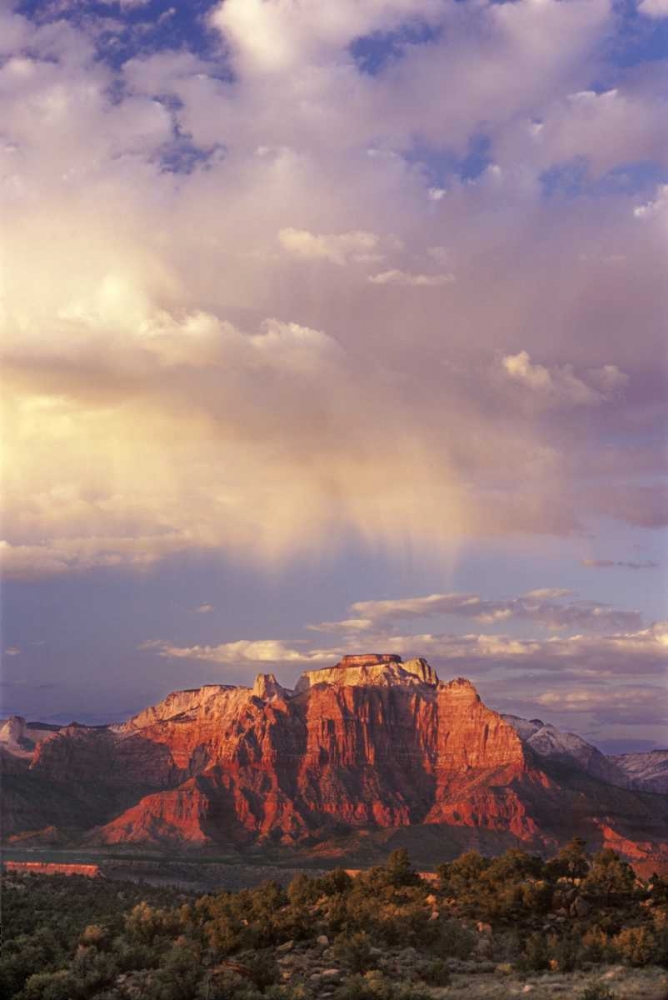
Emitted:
<point x="334" y="883"/>
<point x="375" y="986"/>
<point x="565" y="951"/>
<point x="597" y="991"/>
<point x="95" y="934"/>
<point x="303" y="890"/>
<point x="535" y="956"/>
<point x="263" y="968"/>
<point x="435" y="973"/>
<point x="131" y="955"/>
<point x="407" y="925"/>
<point x="49" y="986"/>
<point x="514" y="865"/>
<point x="354" y="951"/>
<point x="636" y="946"/>
<point x="227" y="985"/>
<point x="92" y="969"/>
<point x="463" y="875"/>
<point x="145" y="923"/>
<point x="399" y="870"/>
<point x="453" y="940"/>
<point x="177" y="977"/>
<point x="595" y="946"/>
<point x="571" y="862"/>
<point x="609" y="877"/>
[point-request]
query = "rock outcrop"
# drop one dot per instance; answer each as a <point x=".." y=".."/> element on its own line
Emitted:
<point x="371" y="744"/>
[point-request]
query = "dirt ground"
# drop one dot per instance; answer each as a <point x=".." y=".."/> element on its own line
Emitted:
<point x="625" y="984"/>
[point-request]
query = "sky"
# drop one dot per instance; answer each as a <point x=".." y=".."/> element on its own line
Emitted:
<point x="335" y="328"/>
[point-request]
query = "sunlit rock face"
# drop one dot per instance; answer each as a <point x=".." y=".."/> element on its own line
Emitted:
<point x="384" y="670"/>
<point x="372" y="743"/>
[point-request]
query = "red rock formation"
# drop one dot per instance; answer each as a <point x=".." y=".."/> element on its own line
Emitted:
<point x="372" y="743"/>
<point x="51" y="868"/>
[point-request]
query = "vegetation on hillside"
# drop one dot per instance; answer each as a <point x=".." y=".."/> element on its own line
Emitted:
<point x="386" y="934"/>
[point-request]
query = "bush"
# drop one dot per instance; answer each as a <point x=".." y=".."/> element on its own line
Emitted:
<point x="454" y="940"/>
<point x="636" y="946"/>
<point x="435" y="973"/>
<point x="566" y="952"/>
<point x="354" y="951"/>
<point x="595" y="946"/>
<point x="49" y="986"/>
<point x="375" y="986"/>
<point x="597" y="991"/>
<point x="335" y="883"/>
<point x="536" y="956"/>
<point x="263" y="968"/>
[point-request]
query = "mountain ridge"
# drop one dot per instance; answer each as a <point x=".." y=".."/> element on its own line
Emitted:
<point x="370" y="744"/>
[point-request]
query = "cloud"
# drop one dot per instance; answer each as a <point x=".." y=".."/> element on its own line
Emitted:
<point x="355" y="247"/>
<point x="13" y="651"/>
<point x="279" y="37"/>
<point x="239" y="652"/>
<point x="611" y="681"/>
<point x="559" y="386"/>
<point x="654" y="8"/>
<point x="548" y="593"/>
<point x="618" y="564"/>
<point x="656" y="207"/>
<point x="536" y="606"/>
<point x="204" y="609"/>
<point x="396" y="277"/>
<point x="628" y="699"/>
<point x="182" y="383"/>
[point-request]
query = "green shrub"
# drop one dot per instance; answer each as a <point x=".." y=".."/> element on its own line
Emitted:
<point x="453" y="940"/>
<point x="597" y="991"/>
<point x="435" y="973"/>
<point x="536" y="956"/>
<point x="354" y="951"/>
<point x="636" y="946"/>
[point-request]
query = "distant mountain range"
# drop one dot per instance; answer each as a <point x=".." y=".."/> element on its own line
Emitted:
<point x="363" y="756"/>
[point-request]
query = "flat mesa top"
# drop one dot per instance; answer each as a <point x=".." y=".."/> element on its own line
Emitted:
<point x="368" y="659"/>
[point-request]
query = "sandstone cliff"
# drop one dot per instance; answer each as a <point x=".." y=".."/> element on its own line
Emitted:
<point x="370" y="744"/>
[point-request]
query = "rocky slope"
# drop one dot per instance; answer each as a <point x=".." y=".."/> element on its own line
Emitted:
<point x="371" y="747"/>
<point x="648" y="771"/>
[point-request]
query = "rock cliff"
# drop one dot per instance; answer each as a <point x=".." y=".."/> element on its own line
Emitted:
<point x="371" y="744"/>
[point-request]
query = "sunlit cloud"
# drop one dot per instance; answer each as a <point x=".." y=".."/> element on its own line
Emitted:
<point x="560" y="386"/>
<point x="355" y="247"/>
<point x="619" y="564"/>
<point x="291" y="339"/>
<point x="537" y="606"/>
<point x="396" y="277"/>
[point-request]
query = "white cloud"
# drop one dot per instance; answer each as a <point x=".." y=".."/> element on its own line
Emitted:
<point x="559" y="386"/>
<point x="280" y="36"/>
<point x="655" y="207"/>
<point x="654" y="8"/>
<point x="238" y="653"/>
<point x="536" y="606"/>
<point x="338" y="248"/>
<point x="180" y="384"/>
<point x="396" y="277"/>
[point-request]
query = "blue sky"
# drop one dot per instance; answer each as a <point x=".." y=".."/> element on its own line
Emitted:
<point x="308" y="311"/>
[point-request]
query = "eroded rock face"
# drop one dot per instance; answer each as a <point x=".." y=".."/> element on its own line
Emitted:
<point x="372" y="669"/>
<point x="370" y="743"/>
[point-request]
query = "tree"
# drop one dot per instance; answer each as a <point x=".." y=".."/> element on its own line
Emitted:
<point x="572" y="861"/>
<point x="399" y="870"/>
<point x="609" y="877"/>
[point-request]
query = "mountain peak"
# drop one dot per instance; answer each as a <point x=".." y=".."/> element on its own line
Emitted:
<point x="371" y="670"/>
<point x="461" y="688"/>
<point x="267" y="687"/>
